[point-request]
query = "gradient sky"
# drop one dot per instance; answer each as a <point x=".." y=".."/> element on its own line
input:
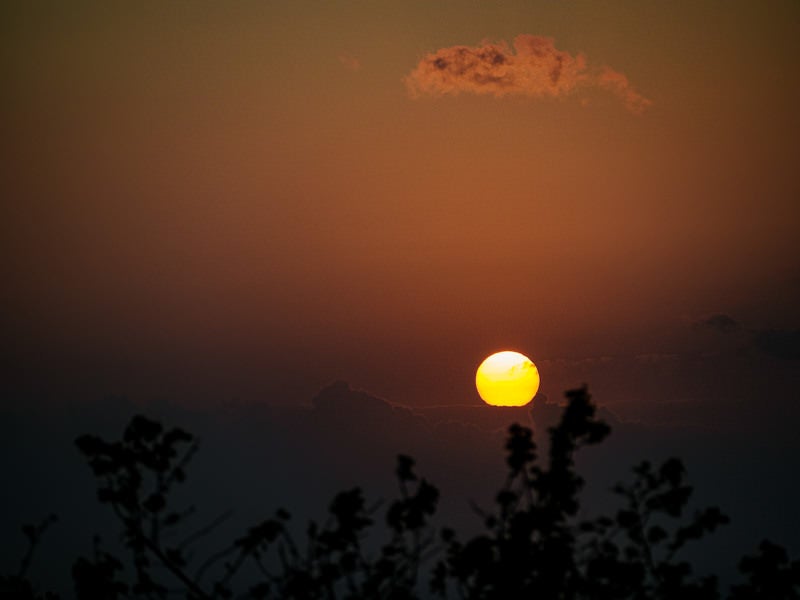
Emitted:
<point x="205" y="201"/>
<point x="212" y="210"/>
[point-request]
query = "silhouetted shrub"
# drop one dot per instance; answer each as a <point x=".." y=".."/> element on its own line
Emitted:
<point x="533" y="545"/>
<point x="770" y="575"/>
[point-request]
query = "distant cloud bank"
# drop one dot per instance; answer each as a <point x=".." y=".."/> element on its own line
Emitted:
<point x="776" y="343"/>
<point x="719" y="323"/>
<point x="533" y="67"/>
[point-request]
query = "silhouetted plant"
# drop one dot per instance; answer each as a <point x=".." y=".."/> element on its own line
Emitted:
<point x="334" y="563"/>
<point x="529" y="546"/>
<point x="636" y="553"/>
<point x="770" y="575"/>
<point x="97" y="578"/>
<point x="533" y="544"/>
<point x="18" y="586"/>
<point x="136" y="476"/>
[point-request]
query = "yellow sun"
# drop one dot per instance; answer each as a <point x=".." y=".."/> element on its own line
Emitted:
<point x="507" y="379"/>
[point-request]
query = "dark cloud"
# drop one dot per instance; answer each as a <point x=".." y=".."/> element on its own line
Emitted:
<point x="776" y="343"/>
<point x="533" y="67"/>
<point x="720" y="323"/>
<point x="339" y="397"/>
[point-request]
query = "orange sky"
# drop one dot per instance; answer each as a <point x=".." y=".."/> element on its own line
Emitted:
<point x="218" y="201"/>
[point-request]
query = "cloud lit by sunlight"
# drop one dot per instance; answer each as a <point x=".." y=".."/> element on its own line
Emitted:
<point x="533" y="67"/>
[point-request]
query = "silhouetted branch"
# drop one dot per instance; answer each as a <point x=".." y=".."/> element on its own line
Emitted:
<point x="532" y="544"/>
<point x="204" y="531"/>
<point x="34" y="534"/>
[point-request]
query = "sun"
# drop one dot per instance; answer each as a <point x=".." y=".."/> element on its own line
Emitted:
<point x="507" y="379"/>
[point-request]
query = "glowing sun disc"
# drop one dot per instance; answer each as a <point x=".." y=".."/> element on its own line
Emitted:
<point x="507" y="379"/>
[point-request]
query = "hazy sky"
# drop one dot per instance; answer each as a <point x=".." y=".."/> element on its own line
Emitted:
<point x="209" y="201"/>
<point x="205" y="200"/>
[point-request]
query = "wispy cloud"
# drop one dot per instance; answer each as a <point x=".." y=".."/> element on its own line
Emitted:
<point x="720" y="323"/>
<point x="532" y="67"/>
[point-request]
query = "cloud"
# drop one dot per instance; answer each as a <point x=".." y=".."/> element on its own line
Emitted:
<point x="533" y="67"/>
<point x="719" y="323"/>
<point x="776" y="343"/>
<point x="617" y="83"/>
<point x="339" y="402"/>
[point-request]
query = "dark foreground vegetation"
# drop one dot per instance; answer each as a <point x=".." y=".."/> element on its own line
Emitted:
<point x="533" y="544"/>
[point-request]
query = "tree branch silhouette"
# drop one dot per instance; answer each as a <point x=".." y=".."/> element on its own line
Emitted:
<point x="533" y="543"/>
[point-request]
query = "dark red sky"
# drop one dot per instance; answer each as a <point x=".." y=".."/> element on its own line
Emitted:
<point x="206" y="201"/>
